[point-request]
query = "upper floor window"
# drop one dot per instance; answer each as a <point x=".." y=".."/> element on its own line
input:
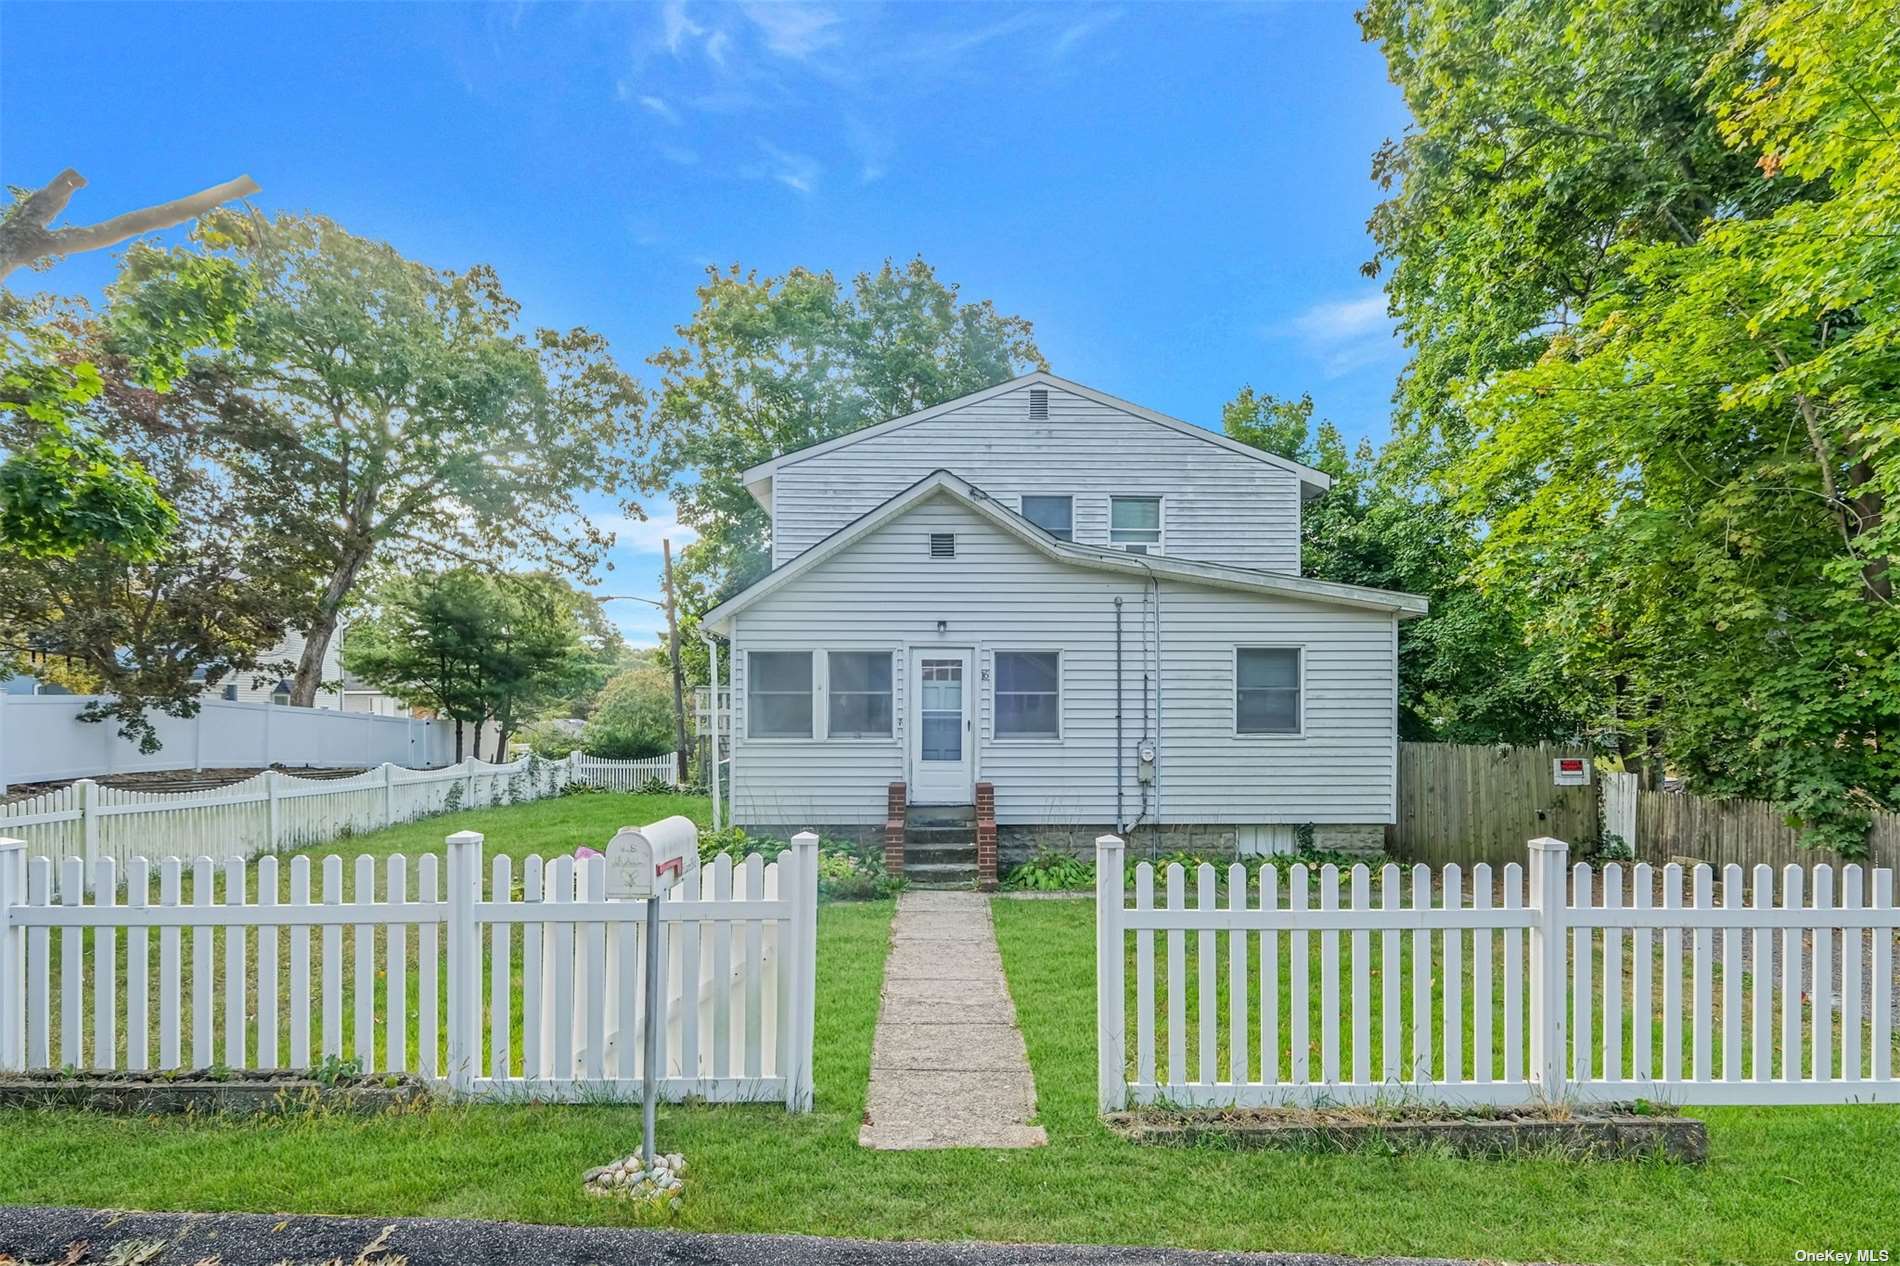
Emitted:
<point x="1134" y="523"/>
<point x="1267" y="690"/>
<point x="859" y="693"/>
<point x="1028" y="695"/>
<point x="778" y="694"/>
<point x="1054" y="515"/>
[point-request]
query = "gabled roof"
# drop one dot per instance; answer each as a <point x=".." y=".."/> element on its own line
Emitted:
<point x="757" y="478"/>
<point x="1101" y="558"/>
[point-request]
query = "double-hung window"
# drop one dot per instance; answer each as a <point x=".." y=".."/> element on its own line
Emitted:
<point x="1054" y="515"/>
<point x="778" y="694"/>
<point x="1028" y="695"/>
<point x="859" y="694"/>
<point x="1267" y="690"/>
<point x="1134" y="524"/>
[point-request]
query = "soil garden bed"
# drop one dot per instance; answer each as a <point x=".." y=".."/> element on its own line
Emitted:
<point x="1617" y="1131"/>
<point x="211" y="1091"/>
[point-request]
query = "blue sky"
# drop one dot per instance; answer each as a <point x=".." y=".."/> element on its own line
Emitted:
<point x="1175" y="194"/>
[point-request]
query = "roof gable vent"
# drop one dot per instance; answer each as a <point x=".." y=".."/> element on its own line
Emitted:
<point x="943" y="544"/>
<point x="1038" y="404"/>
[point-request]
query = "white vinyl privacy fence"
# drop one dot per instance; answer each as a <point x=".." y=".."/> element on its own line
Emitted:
<point x="274" y="811"/>
<point x="492" y="979"/>
<point x="1325" y="986"/>
<point x="42" y="739"/>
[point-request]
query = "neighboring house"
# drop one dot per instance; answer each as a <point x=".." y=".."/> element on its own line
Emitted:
<point x="1092" y="608"/>
<point x="258" y="688"/>
<point x="360" y="696"/>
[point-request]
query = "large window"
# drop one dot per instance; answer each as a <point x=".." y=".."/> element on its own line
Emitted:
<point x="1028" y="695"/>
<point x="859" y="691"/>
<point x="1267" y="690"/>
<point x="1134" y="523"/>
<point x="778" y="694"/>
<point x="1054" y="515"/>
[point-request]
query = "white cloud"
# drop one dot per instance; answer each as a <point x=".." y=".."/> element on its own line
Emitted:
<point x="1343" y="334"/>
<point x="794" y="171"/>
<point x="717" y="45"/>
<point x="658" y="106"/>
<point x="679" y="155"/>
<point x="677" y="27"/>
<point x="794" y="30"/>
<point x="1076" y="32"/>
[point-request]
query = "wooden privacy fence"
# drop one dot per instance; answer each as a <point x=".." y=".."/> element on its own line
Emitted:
<point x="275" y="810"/>
<point x="1466" y="803"/>
<point x="1743" y="832"/>
<point x="532" y="990"/>
<point x="1515" y="995"/>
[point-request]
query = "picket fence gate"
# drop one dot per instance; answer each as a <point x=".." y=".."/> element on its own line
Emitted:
<point x="1553" y="1014"/>
<point x="275" y="810"/>
<point x="533" y="990"/>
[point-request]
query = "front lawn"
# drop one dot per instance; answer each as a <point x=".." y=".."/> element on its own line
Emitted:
<point x="1778" y="1179"/>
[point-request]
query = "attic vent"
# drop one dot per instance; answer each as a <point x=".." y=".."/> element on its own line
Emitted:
<point x="1038" y="404"/>
<point x="943" y="544"/>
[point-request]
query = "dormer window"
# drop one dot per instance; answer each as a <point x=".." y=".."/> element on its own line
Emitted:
<point x="1134" y="524"/>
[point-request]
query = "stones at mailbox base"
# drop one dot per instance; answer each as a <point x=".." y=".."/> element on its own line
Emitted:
<point x="626" y="1179"/>
<point x="646" y="861"/>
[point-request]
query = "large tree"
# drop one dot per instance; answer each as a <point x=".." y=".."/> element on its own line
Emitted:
<point x="1644" y="254"/>
<point x="768" y="364"/>
<point x="1464" y="672"/>
<point x="422" y="424"/>
<point x="153" y="629"/>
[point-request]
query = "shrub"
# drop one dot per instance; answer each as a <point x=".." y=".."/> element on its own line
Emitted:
<point x="551" y="740"/>
<point x="634" y="718"/>
<point x="1050" y="870"/>
<point x="654" y="786"/>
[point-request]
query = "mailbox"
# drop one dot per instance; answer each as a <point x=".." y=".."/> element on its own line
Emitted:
<point x="647" y="861"/>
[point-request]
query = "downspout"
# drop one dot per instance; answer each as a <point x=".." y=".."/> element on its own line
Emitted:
<point x="712" y="711"/>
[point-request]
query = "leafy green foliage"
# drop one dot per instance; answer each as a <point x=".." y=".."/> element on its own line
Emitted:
<point x="1050" y="870"/>
<point x="422" y="425"/>
<point x="1643" y="251"/>
<point x="633" y="717"/>
<point x="472" y="646"/>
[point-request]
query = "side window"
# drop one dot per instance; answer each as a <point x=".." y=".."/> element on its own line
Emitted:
<point x="1267" y="690"/>
<point x="1134" y="524"/>
<point x="778" y="694"/>
<point x="1028" y="695"/>
<point x="1054" y="515"/>
<point x="859" y="694"/>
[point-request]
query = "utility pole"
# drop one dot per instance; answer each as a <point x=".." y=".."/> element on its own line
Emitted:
<point x="679" y="692"/>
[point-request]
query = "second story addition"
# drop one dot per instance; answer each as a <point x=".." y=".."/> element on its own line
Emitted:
<point x="1078" y="463"/>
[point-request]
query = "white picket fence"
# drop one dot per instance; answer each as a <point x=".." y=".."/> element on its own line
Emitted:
<point x="1570" y="989"/>
<point x="623" y="775"/>
<point x="274" y="810"/>
<point x="532" y="990"/>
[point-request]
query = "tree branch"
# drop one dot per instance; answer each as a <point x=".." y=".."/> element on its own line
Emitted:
<point x="25" y="239"/>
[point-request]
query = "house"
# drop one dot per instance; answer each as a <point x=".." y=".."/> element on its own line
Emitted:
<point x="271" y="688"/>
<point x="1047" y="609"/>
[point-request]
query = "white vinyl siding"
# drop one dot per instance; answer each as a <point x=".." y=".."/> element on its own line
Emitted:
<point x="1001" y="595"/>
<point x="1221" y="506"/>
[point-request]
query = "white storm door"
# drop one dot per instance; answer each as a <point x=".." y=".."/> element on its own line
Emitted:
<point x="942" y="768"/>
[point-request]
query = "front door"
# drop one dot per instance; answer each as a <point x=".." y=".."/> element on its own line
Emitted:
<point x="941" y="768"/>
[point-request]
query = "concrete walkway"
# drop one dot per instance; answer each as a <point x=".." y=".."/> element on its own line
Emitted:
<point x="948" y="1065"/>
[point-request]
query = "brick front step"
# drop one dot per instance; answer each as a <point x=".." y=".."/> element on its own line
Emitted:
<point x="933" y="817"/>
<point x="932" y="835"/>
<point x="963" y="850"/>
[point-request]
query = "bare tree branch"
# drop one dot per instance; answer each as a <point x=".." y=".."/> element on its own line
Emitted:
<point x="24" y="237"/>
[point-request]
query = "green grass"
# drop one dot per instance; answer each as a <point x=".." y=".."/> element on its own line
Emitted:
<point x="1777" y="1180"/>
